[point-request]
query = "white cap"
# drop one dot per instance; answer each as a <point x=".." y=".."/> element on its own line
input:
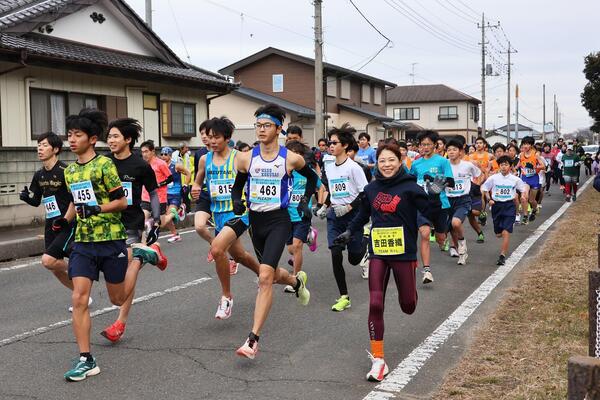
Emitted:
<point x="569" y="147"/>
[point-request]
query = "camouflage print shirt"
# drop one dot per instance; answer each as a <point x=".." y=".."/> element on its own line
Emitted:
<point x="91" y="183"/>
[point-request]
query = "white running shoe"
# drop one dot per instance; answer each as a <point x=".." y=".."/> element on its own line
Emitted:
<point x="462" y="246"/>
<point x="90" y="301"/>
<point x="462" y="259"/>
<point x="453" y="252"/>
<point x="224" y="308"/>
<point x="518" y="219"/>
<point x="247" y="350"/>
<point x="233" y="267"/>
<point x="365" y="272"/>
<point x="379" y="369"/>
<point x="174" y="238"/>
<point x="365" y="260"/>
<point x="289" y="289"/>
<point x="427" y="277"/>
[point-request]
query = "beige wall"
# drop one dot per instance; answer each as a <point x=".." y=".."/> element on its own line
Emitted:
<point x="359" y="122"/>
<point x="429" y="116"/>
<point x="14" y="98"/>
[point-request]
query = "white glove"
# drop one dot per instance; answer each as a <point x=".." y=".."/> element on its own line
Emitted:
<point x="322" y="212"/>
<point x="340" y="210"/>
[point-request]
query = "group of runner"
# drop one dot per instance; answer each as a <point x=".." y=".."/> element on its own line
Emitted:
<point x="104" y="213"/>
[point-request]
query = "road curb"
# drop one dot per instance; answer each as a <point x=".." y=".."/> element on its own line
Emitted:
<point x="34" y="246"/>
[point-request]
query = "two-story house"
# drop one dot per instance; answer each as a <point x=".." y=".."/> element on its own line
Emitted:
<point x="57" y="57"/>
<point x="287" y="79"/>
<point x="436" y="107"/>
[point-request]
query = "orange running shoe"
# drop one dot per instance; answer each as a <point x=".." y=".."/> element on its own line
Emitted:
<point x="114" y="331"/>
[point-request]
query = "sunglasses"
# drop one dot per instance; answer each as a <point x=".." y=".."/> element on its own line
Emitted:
<point x="165" y="154"/>
<point x="332" y="142"/>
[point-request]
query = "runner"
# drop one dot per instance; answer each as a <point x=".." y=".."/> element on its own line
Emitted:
<point x="269" y="187"/>
<point x="163" y="178"/>
<point x="478" y="216"/>
<point x="175" y="205"/>
<point x="500" y="192"/>
<point x="345" y="180"/>
<point x="100" y="236"/>
<point x="406" y="160"/>
<point x="499" y="150"/>
<point x="202" y="215"/>
<point x="433" y="173"/>
<point x="530" y="164"/>
<point x="460" y="199"/>
<point x="48" y="187"/>
<point x="392" y="201"/>
<point x="440" y="146"/>
<point x="134" y="173"/>
<point x="217" y="170"/>
<point x="570" y="173"/>
<point x="365" y="152"/>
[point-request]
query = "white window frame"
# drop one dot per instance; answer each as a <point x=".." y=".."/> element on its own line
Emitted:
<point x="277" y="83"/>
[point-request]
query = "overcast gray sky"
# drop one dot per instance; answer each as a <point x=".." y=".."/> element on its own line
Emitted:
<point x="552" y="38"/>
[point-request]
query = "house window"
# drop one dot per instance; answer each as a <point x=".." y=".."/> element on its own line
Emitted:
<point x="474" y="112"/>
<point x="366" y="93"/>
<point x="405" y="114"/>
<point x="448" y="112"/>
<point x="377" y="95"/>
<point x="331" y="86"/>
<point x="178" y="119"/>
<point x="78" y="101"/>
<point x="277" y="83"/>
<point x="345" y="89"/>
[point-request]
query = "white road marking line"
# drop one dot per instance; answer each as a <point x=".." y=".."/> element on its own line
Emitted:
<point x="14" y="267"/>
<point x="410" y="366"/>
<point x="60" y="324"/>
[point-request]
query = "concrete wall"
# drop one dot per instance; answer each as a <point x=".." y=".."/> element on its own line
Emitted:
<point x="15" y="108"/>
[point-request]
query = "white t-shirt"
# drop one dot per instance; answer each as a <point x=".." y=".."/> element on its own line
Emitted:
<point x="463" y="172"/>
<point x="503" y="188"/>
<point x="346" y="181"/>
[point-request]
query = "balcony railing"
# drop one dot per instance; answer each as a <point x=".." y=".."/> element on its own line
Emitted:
<point x="444" y="117"/>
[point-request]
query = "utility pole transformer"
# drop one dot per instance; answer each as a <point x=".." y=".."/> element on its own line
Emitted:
<point x="483" y="71"/>
<point x="319" y="119"/>
<point x="149" y="13"/>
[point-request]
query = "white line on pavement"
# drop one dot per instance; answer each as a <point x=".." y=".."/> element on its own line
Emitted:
<point x="410" y="366"/>
<point x="14" y="267"/>
<point x="96" y="313"/>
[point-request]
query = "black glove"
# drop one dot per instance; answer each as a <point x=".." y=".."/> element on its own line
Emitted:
<point x="304" y="210"/>
<point x="24" y="195"/>
<point x="59" y="224"/>
<point x="343" y="239"/>
<point x="85" y="210"/>
<point x="239" y="207"/>
<point x="427" y="178"/>
<point x="152" y="235"/>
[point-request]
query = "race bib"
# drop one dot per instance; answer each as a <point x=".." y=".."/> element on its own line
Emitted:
<point x="220" y="189"/>
<point x="51" y="207"/>
<point x="568" y="163"/>
<point x="83" y="193"/>
<point x="503" y="193"/>
<point x="388" y="241"/>
<point x="128" y="189"/>
<point x="264" y="190"/>
<point x="529" y="171"/>
<point x="339" y="187"/>
<point x="459" y="187"/>
<point x="295" y="200"/>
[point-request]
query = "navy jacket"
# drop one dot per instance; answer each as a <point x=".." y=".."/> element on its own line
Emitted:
<point x="393" y="202"/>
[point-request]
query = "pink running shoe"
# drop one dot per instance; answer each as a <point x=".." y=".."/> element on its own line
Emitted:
<point x="312" y="239"/>
<point x="209" y="257"/>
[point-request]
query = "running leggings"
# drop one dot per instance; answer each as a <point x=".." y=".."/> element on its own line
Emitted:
<point x="337" y="261"/>
<point x="406" y="283"/>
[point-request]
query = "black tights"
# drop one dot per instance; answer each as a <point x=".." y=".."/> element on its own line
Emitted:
<point x="337" y="261"/>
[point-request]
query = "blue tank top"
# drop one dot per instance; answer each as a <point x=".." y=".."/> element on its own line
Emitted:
<point x="270" y="186"/>
<point x="219" y="181"/>
<point x="175" y="186"/>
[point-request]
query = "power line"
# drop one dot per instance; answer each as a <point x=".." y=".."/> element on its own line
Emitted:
<point x="179" y="31"/>
<point x="377" y="30"/>
<point x="533" y="122"/>
<point x="477" y="13"/>
<point x="460" y="15"/>
<point x="444" y="21"/>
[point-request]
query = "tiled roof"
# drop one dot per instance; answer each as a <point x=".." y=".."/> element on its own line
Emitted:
<point x="267" y="98"/>
<point x="426" y="94"/>
<point x="368" y="113"/>
<point x="13" y="12"/>
<point x="55" y="49"/>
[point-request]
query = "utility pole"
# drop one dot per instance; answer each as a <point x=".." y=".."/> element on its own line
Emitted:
<point x="554" y="118"/>
<point x="509" y="51"/>
<point x="544" y="112"/>
<point x="517" y="111"/>
<point x="413" y="72"/>
<point x="149" y="13"/>
<point x="319" y="120"/>
<point x="483" y="43"/>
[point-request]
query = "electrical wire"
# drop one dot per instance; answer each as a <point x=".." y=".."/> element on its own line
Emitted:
<point x="179" y="31"/>
<point x="477" y="13"/>
<point x="460" y="15"/>
<point x="388" y="43"/>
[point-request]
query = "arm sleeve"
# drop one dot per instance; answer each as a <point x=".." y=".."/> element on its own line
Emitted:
<point x="238" y="186"/>
<point x="112" y="182"/>
<point x="324" y="179"/>
<point x="149" y="181"/>
<point x="364" y="213"/>
<point x="421" y="200"/>
<point x="155" y="204"/>
<point x="311" y="180"/>
<point x="166" y="181"/>
<point x="37" y="191"/>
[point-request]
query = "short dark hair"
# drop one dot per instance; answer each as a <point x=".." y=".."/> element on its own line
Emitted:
<point x="202" y="126"/>
<point x="220" y="127"/>
<point x="512" y="146"/>
<point x="403" y="145"/>
<point x="454" y="142"/>
<point x="322" y="140"/>
<point x="442" y="139"/>
<point x="504" y="160"/>
<point x="129" y="128"/>
<point x="271" y="109"/>
<point x="390" y="139"/>
<point x="353" y="146"/>
<point x="149" y="144"/>
<point x="345" y="134"/>
<point x="393" y="147"/>
<point x="427" y="134"/>
<point x="297" y="147"/>
<point x="53" y="140"/>
<point x="528" y="140"/>
<point x="295" y="129"/>
<point x="498" y="146"/>
<point x="364" y="135"/>
<point x="89" y="120"/>
<point x="461" y="139"/>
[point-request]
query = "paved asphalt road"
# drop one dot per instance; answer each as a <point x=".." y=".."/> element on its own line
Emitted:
<point x="174" y="348"/>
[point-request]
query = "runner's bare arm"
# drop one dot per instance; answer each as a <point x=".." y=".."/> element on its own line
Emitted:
<point x="70" y="214"/>
<point x="197" y="186"/>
